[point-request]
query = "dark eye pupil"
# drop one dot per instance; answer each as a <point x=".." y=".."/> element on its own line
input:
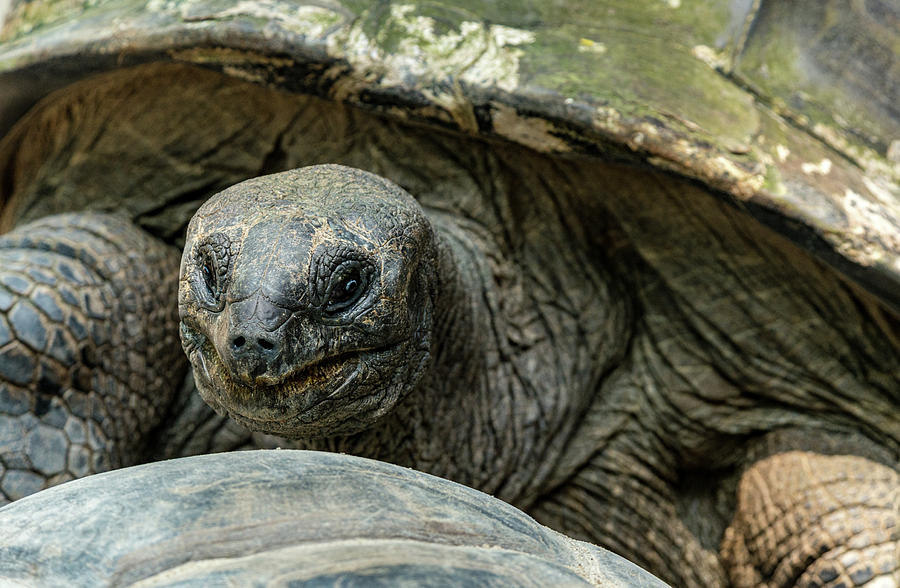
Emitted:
<point x="346" y="290"/>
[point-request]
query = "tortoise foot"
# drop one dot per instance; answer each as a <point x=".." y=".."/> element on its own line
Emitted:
<point x="89" y="355"/>
<point x="805" y="519"/>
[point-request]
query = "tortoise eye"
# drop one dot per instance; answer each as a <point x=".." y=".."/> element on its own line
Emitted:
<point x="348" y="284"/>
<point x="208" y="273"/>
<point x="212" y="259"/>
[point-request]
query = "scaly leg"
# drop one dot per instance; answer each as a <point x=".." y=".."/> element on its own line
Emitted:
<point x="807" y="519"/>
<point x="89" y="352"/>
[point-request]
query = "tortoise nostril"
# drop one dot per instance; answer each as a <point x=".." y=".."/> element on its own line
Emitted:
<point x="267" y="345"/>
<point x="238" y="342"/>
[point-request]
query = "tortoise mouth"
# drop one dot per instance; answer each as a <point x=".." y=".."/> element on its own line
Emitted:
<point x="318" y="371"/>
<point x="315" y="382"/>
<point x="311" y="401"/>
<point x="299" y="385"/>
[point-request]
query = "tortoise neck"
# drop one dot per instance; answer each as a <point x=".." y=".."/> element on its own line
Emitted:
<point x="451" y="419"/>
<point x="458" y="308"/>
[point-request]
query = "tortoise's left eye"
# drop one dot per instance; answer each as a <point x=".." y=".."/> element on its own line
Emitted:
<point x="348" y="284"/>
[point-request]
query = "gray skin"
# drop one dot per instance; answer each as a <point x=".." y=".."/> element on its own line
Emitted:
<point x="325" y="305"/>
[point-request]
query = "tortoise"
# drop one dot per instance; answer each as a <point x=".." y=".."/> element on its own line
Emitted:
<point x="288" y="518"/>
<point x="653" y="278"/>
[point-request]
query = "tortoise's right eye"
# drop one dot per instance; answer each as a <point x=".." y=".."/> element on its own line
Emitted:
<point x="208" y="273"/>
<point x="211" y="262"/>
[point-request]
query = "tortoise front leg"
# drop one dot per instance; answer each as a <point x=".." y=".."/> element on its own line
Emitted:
<point x="89" y="352"/>
<point x="808" y="519"/>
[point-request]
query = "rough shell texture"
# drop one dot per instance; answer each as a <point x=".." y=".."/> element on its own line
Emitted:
<point x="789" y="110"/>
<point x="287" y="516"/>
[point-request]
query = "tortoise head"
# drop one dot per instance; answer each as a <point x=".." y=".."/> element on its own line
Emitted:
<point x="306" y="300"/>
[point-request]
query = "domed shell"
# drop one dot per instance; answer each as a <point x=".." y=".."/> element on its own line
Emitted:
<point x="784" y="109"/>
<point x="281" y="517"/>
